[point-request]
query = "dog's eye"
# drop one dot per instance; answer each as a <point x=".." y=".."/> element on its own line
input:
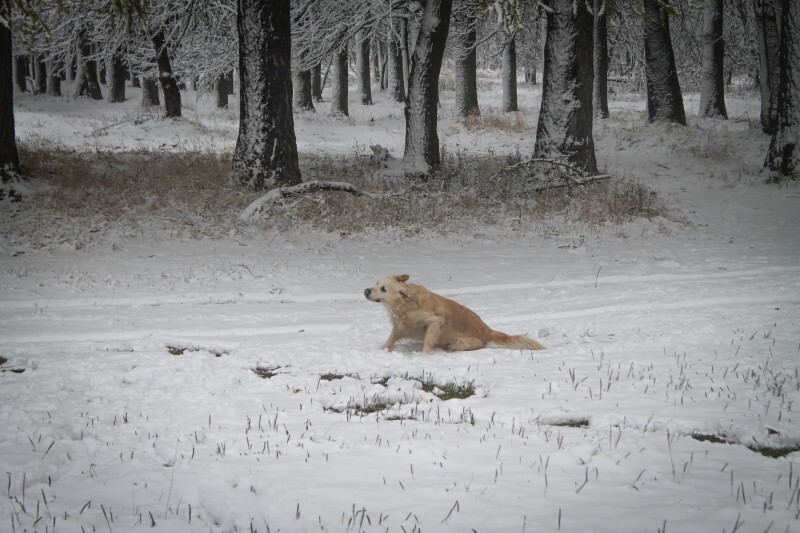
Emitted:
<point x="383" y="289"/>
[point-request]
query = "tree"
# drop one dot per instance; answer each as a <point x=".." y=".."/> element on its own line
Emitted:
<point x="86" y="82"/>
<point x="116" y="78"/>
<point x="565" y="119"/>
<point x="466" y="63"/>
<point x="169" y="85"/>
<point x="150" y="95"/>
<point x="303" y="99"/>
<point x="712" y="90"/>
<point x="421" y="154"/>
<point x="768" y="32"/>
<point x="395" y="62"/>
<point x="600" y="89"/>
<point x="784" y="147"/>
<point x="53" y="79"/>
<point x="362" y="68"/>
<point x="9" y="157"/>
<point x="664" y="98"/>
<point x="339" y="78"/>
<point x="509" y="75"/>
<point x="266" y="148"/>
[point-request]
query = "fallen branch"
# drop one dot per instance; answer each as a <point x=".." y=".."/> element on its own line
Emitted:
<point x="253" y="211"/>
<point x="569" y="180"/>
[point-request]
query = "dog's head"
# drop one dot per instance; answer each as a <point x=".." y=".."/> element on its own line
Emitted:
<point x="390" y="291"/>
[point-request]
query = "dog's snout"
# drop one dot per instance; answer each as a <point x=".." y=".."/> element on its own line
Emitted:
<point x="367" y="292"/>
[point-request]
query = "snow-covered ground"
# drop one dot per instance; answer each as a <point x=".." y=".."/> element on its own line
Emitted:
<point x="129" y="399"/>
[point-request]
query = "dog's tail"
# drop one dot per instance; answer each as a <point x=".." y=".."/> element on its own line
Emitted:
<point x="515" y="341"/>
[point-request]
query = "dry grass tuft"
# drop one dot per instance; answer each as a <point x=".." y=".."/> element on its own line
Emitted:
<point x="511" y="122"/>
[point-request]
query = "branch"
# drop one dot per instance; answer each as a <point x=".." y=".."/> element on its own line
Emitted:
<point x="569" y="180"/>
<point x="257" y="208"/>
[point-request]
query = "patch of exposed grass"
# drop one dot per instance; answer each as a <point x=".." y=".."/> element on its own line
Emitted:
<point x="511" y="122"/>
<point x="266" y="372"/>
<point x="571" y="423"/>
<point x="333" y="376"/>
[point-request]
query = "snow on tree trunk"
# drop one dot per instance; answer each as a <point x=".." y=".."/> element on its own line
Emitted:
<point x="664" y="98"/>
<point x="712" y="90"/>
<point x="565" y="119"/>
<point x="784" y="147"/>
<point x="362" y="69"/>
<point x="9" y="158"/>
<point x="53" y="79"/>
<point x="509" y="75"/>
<point x="421" y="152"/>
<point x="266" y="148"/>
<point x="302" y="90"/>
<point x="600" y="90"/>
<point x="768" y="31"/>
<point x="116" y="78"/>
<point x="395" y="67"/>
<point x="169" y="85"/>
<point x="466" y="79"/>
<point x="150" y="96"/>
<point x="339" y="80"/>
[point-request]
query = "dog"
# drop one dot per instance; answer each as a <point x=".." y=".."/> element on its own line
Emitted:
<point x="438" y="322"/>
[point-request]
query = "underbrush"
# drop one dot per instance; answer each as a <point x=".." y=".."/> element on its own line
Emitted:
<point x="83" y="196"/>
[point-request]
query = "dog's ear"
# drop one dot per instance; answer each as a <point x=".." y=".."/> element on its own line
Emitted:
<point x="402" y="278"/>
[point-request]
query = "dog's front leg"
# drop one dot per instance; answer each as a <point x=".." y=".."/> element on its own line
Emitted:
<point x="394" y="336"/>
<point x="432" y="334"/>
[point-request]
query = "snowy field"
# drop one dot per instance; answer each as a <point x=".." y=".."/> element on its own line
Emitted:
<point x="130" y="401"/>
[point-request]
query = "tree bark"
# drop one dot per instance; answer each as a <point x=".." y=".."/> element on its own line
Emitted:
<point x="169" y="85"/>
<point x="768" y="32"/>
<point x="712" y="90"/>
<point x="221" y="91"/>
<point x="421" y="154"/>
<point x="22" y="73"/>
<point x="466" y="78"/>
<point x="86" y="83"/>
<point x="565" y="119"/>
<point x="9" y="157"/>
<point x="784" y="147"/>
<point x="116" y="78"/>
<point x="362" y="69"/>
<point x="150" y="96"/>
<point x="404" y="53"/>
<point x="266" y="149"/>
<point x="339" y="79"/>
<point x="664" y="98"/>
<point x="509" y="76"/>
<point x="600" y="90"/>
<point x="40" y="83"/>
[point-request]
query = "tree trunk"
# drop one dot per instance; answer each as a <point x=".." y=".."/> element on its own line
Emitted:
<point x="302" y="91"/>
<point x="466" y="69"/>
<point x="266" y="149"/>
<point x="768" y="31"/>
<point x="22" y="72"/>
<point x="712" y="90"/>
<point x="9" y="158"/>
<point x="135" y="82"/>
<point x="116" y="78"/>
<point x="316" y="83"/>
<point x="509" y="76"/>
<point x="53" y="79"/>
<point x="664" y="98"/>
<point x="362" y="69"/>
<point x="40" y="83"/>
<point x="600" y="90"/>
<point x="565" y="119"/>
<point x="339" y="80"/>
<point x="395" y="68"/>
<point x="221" y="91"/>
<point x="150" y="96"/>
<point x="169" y="85"/>
<point x="404" y="63"/>
<point x="421" y="153"/>
<point x="86" y="83"/>
<point x="784" y="147"/>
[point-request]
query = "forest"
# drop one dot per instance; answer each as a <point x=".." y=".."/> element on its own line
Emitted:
<point x="196" y="195"/>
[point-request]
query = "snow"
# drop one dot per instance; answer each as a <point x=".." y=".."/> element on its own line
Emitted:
<point x="656" y="330"/>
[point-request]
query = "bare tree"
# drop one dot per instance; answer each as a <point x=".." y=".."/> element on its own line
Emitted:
<point x="565" y="119"/>
<point x="421" y="153"/>
<point x="509" y="75"/>
<point x="768" y="33"/>
<point x="784" y="147"/>
<point x="9" y="157"/>
<point x="600" y="89"/>
<point x="664" y="98"/>
<point x="116" y="78"/>
<point x="464" y="41"/>
<point x="362" y="68"/>
<point x="712" y="89"/>
<point x="339" y="79"/>
<point x="266" y="148"/>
